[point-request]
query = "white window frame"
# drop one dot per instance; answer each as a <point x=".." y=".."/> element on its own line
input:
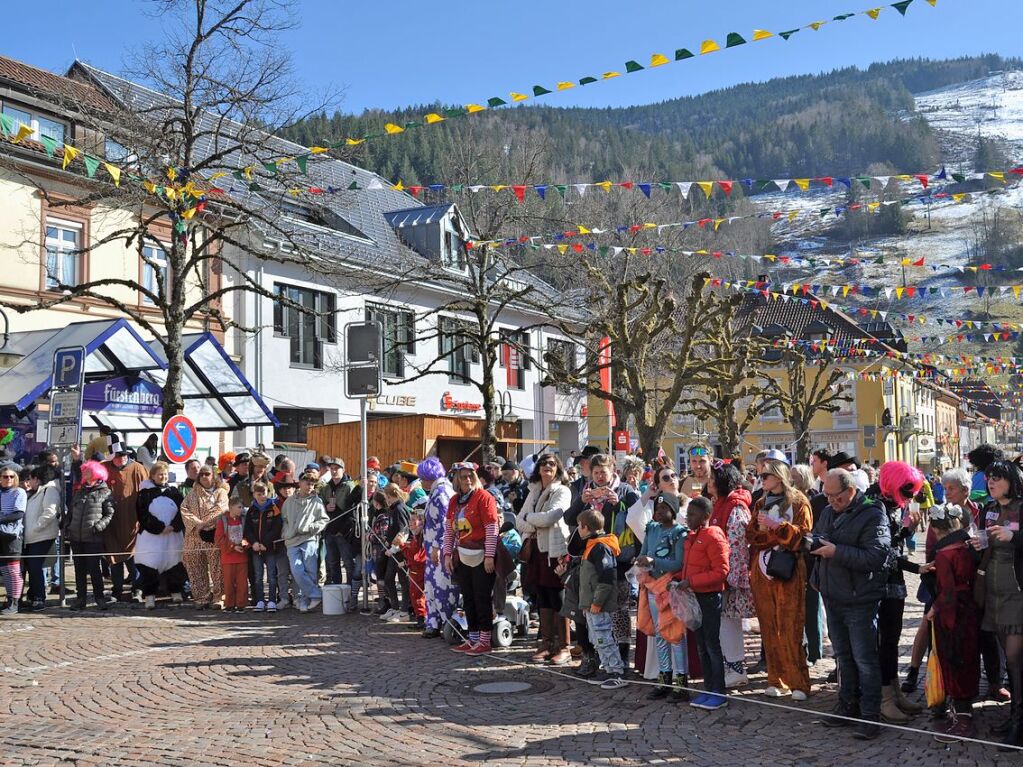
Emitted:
<point x="52" y="282"/>
<point x="159" y="253"/>
<point x="33" y="121"/>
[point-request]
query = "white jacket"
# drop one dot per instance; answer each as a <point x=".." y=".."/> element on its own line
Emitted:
<point x="42" y="513"/>
<point x="543" y="515"/>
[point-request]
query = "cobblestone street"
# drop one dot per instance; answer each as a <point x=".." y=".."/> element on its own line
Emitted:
<point x="180" y="687"/>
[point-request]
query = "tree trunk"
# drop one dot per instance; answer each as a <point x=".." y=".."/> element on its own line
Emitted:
<point x="488" y="442"/>
<point x="173" y="402"/>
<point x="801" y="432"/>
<point x="650" y="437"/>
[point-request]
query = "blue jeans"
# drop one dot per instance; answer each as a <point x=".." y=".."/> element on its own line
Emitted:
<point x="853" y="632"/>
<point x="708" y="642"/>
<point x="598" y="625"/>
<point x="305" y="568"/>
<point x="668" y="655"/>
<point x="264" y="562"/>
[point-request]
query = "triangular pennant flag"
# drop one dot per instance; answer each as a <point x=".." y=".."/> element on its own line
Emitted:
<point x="6" y="124"/>
<point x="816" y="25"/>
<point x="70" y="153"/>
<point x="539" y="90"/>
<point x="707" y="187"/>
<point x="303" y="163"/>
<point x="684" y="187"/>
<point x="788" y="34"/>
<point x="91" y="165"/>
<point x="607" y="76"/>
<point x="802" y="183"/>
<point x="874" y="13"/>
<point x="565" y="85"/>
<point x="391" y="128"/>
<point x="587" y="80"/>
<point x="709" y="46"/>
<point x="644" y="188"/>
<point x="683" y="53"/>
<point x="49" y="144"/>
<point x="902" y="6"/>
<point x="761" y="34"/>
<point x="24" y="131"/>
<point x="658" y="59"/>
<point x="541" y="190"/>
<point x="633" y="66"/>
<point x="115" y="173"/>
<point x="495" y="101"/>
<point x="734" y="39"/>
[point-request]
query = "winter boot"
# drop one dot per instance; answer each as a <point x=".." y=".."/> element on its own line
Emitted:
<point x="1014" y="736"/>
<point x="1003" y="727"/>
<point x="912" y="679"/>
<point x="663" y="688"/>
<point x="546" y="644"/>
<point x="890" y="711"/>
<point x="679" y="691"/>
<point x="589" y="665"/>
<point x="561" y="655"/>
<point x="907" y="706"/>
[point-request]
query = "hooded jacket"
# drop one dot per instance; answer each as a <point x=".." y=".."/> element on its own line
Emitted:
<point x="263" y="525"/>
<point x="42" y="512"/>
<point x="723" y="506"/>
<point x="304" y="519"/>
<point x="91" y="510"/>
<point x="857" y="573"/>
<point x="598" y="573"/>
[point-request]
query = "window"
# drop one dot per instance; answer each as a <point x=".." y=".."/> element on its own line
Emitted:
<point x="458" y="349"/>
<point x="453" y="251"/>
<point x="561" y="360"/>
<point x="320" y="216"/>
<point x="399" y="330"/>
<point x="115" y="152"/>
<point x="154" y="271"/>
<point x="295" y="423"/>
<point x="63" y="253"/>
<point x="515" y="357"/>
<point x="310" y="322"/>
<point x="40" y="125"/>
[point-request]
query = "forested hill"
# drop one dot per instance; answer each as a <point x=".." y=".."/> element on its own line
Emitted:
<point x="837" y="123"/>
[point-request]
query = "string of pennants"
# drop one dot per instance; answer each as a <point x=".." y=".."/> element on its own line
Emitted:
<point x="715" y="224"/>
<point x="1000" y="331"/>
<point x="709" y="188"/>
<point x="863" y="345"/>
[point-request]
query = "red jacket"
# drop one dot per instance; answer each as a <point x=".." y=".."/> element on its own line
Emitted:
<point x="414" y="554"/>
<point x="705" y="564"/>
<point x="228" y="556"/>
<point x="470" y="531"/>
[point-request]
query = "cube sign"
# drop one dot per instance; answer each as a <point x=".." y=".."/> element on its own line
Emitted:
<point x="363" y="352"/>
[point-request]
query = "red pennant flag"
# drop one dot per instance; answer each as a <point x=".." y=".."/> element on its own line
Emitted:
<point x="315" y="190"/>
<point x="910" y="291"/>
<point x="855" y="206"/>
<point x="985" y="267"/>
<point x="919" y="263"/>
<point x="520" y="192"/>
<point x="827" y="180"/>
<point x="645" y="251"/>
<point x="636" y="227"/>
<point x="569" y="234"/>
<point x="717" y="254"/>
<point x="627" y="185"/>
<point x="727" y="187"/>
<point x="922" y="179"/>
<point x="577" y="247"/>
<point x="703" y="222"/>
<point x="415" y="190"/>
<point x="523" y="238"/>
<point x="776" y="216"/>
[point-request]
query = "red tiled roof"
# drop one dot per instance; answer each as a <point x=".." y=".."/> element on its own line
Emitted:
<point x="42" y="83"/>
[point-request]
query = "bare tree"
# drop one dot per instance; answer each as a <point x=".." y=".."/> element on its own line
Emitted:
<point x="198" y="154"/>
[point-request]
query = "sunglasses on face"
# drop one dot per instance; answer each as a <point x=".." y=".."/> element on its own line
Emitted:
<point x="548" y="463"/>
<point x="765" y="476"/>
<point x="668" y="475"/>
<point x="8" y="476"/>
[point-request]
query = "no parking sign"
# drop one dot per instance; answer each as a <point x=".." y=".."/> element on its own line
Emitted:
<point x="179" y="438"/>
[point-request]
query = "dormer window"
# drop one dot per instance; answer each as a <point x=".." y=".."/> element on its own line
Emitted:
<point x="453" y="252"/>
<point x="40" y="125"/>
<point x="818" y="331"/>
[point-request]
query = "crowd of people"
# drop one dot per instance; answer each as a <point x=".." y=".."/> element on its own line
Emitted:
<point x="622" y="566"/>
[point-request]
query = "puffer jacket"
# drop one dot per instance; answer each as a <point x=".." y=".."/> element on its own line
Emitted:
<point x="543" y="516"/>
<point x="858" y="572"/>
<point x="91" y="510"/>
<point x="42" y="514"/>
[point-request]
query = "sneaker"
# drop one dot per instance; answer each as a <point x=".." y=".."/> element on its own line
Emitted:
<point x="271" y="607"/>
<point x="464" y="647"/>
<point x="961" y="727"/>
<point x="260" y="606"/>
<point x="710" y="701"/>
<point x="699" y="700"/>
<point x="11" y="609"/>
<point x="842" y="716"/>
<point x="735" y="679"/>
<point x="613" y="682"/>
<point x="867" y="731"/>
<point x="479" y="649"/>
<point x="177" y="598"/>
<point x="39" y="605"/>
<point x="799" y="695"/>
<point x="387" y="615"/>
<point x="151" y="602"/>
<point x="397" y="616"/>
<point x="776" y="692"/>
<point x="303" y="607"/>
<point x="313" y="604"/>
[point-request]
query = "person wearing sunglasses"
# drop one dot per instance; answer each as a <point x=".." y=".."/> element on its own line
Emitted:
<point x="13" y="502"/>
<point x="200" y="511"/>
<point x="699" y="472"/>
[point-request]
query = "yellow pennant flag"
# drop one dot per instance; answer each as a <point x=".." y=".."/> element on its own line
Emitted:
<point x="761" y="34"/>
<point x="70" y="153"/>
<point x="562" y="249"/>
<point x="172" y="174"/>
<point x="171" y="193"/>
<point x="247" y="170"/>
<point x="648" y="225"/>
<point x="188" y="213"/>
<point x="318" y="149"/>
<point x="432" y="118"/>
<point x="707" y="187"/>
<point x="498" y="187"/>
<point x="609" y="75"/>
<point x="115" y="173"/>
<point x="873" y="206"/>
<point x="354" y="141"/>
<point x="605" y="185"/>
<point x="815" y="25"/>
<point x="24" y="131"/>
<point x="473" y="108"/>
<point x="717" y="223"/>
<point x="898" y="292"/>
<point x="1016" y="290"/>
<point x="874" y="13"/>
<point x="218" y="174"/>
<point x="709" y="46"/>
<point x="793" y="214"/>
<point x="631" y="251"/>
<point x="582" y="229"/>
<point x="802" y="183"/>
<point x="959" y="197"/>
<point x="392" y="128"/>
<point x="564" y="86"/>
<point x="932" y="3"/>
<point x="824" y="305"/>
<point x="149" y="186"/>
<point x="845" y="291"/>
<point x="519" y="96"/>
<point x="658" y="59"/>
<point x="999" y="176"/>
<point x="905" y="262"/>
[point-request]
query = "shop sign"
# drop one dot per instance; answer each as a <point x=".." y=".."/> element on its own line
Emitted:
<point x="447" y="402"/>
<point x="392" y="400"/>
<point x="133" y="396"/>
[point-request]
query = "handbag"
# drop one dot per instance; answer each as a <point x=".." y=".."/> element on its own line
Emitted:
<point x="209" y="536"/>
<point x="528" y="550"/>
<point x="11" y="531"/>
<point x="935" y="686"/>
<point x="781" y="564"/>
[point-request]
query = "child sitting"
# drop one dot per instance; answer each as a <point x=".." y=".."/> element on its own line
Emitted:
<point x="598" y="593"/>
<point x="954" y="616"/>
<point x="234" y="557"/>
<point x="263" y="527"/>
<point x="414" y="553"/>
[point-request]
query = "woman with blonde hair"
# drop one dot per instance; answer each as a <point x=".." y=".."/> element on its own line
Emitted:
<point x="200" y="511"/>
<point x="780" y="520"/>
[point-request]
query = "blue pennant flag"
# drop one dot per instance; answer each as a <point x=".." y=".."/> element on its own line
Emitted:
<point x="542" y="191"/>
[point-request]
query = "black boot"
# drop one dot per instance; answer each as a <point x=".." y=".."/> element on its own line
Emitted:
<point x="679" y="691"/>
<point x="663" y="688"/>
<point x="589" y="665"/>
<point x="1014" y="736"/>
<point x="912" y="679"/>
<point x="1004" y="727"/>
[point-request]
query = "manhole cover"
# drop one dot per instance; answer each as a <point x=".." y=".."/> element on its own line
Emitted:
<point x="502" y="688"/>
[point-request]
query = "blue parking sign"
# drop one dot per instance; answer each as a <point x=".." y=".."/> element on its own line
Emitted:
<point x="69" y="367"/>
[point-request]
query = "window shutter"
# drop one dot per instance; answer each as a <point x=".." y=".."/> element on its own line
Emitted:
<point x="278" y="310"/>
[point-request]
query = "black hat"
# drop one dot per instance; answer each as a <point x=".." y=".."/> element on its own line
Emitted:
<point x="840" y="459"/>
<point x="330" y="461"/>
<point x="589" y="451"/>
<point x="510" y="466"/>
<point x="241" y="458"/>
<point x="667" y="499"/>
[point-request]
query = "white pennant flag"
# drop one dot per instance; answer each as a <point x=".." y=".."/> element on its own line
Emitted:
<point x="375" y="184"/>
<point x="684" y="187"/>
<point x="887" y="292"/>
<point x="783" y="183"/>
<point x="581" y="189"/>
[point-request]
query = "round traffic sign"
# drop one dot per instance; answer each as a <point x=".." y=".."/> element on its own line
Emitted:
<point x="179" y="439"/>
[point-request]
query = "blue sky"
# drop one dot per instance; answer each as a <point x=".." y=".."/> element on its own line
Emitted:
<point x="390" y="54"/>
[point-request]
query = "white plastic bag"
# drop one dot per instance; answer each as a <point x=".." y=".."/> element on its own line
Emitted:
<point x="685" y="606"/>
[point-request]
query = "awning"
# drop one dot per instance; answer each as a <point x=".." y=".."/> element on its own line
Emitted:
<point x="217" y="395"/>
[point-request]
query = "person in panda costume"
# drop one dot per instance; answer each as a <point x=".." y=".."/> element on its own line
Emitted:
<point x="161" y="536"/>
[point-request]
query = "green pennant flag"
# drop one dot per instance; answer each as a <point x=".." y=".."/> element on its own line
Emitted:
<point x="604" y="248"/>
<point x="496" y="102"/>
<point x="539" y="90"/>
<point x="255" y="188"/>
<point x="787" y="35"/>
<point x="683" y="53"/>
<point x="902" y="6"/>
<point x="271" y="168"/>
<point x="561" y="189"/>
<point x="825" y="211"/>
<point x="843" y="17"/>
<point x="632" y="66"/>
<point x="959" y="178"/>
<point x="354" y="185"/>
<point x="238" y="175"/>
<point x="734" y="39"/>
<point x="456" y="188"/>
<point x="865" y="180"/>
<point x="49" y="144"/>
<point x="91" y="165"/>
<point x="587" y="80"/>
<point x="763" y="183"/>
<point x="303" y="163"/>
<point x="665" y="185"/>
<point x="7" y="123"/>
<point x="879" y="260"/>
<point x="453" y="112"/>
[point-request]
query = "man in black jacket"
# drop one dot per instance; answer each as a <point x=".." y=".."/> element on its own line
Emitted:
<point x="340" y="536"/>
<point x="852" y="544"/>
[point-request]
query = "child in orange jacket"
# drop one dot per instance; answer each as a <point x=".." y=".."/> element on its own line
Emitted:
<point x="234" y="557"/>
<point x="414" y="553"/>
